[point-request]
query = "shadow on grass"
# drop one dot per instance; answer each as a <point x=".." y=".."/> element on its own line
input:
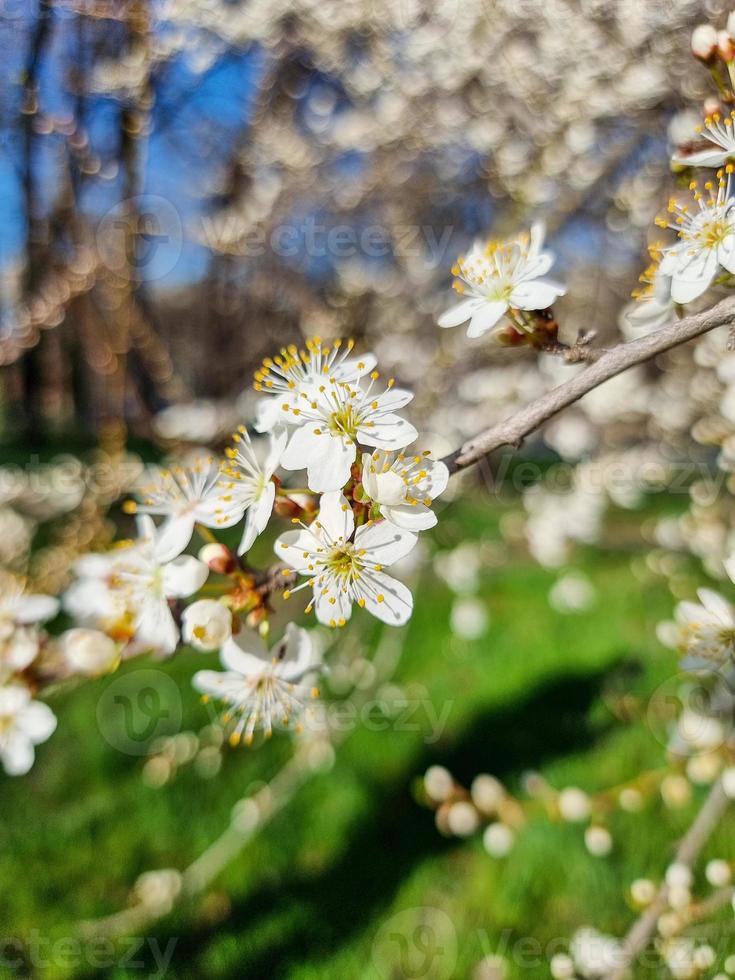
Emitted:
<point x="310" y="916"/>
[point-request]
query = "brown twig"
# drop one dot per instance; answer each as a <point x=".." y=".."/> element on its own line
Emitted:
<point x="611" y="362"/>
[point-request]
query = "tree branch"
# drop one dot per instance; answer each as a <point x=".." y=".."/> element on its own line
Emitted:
<point x="687" y="853"/>
<point x="513" y="430"/>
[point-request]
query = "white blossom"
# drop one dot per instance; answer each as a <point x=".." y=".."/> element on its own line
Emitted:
<point x="499" y="275"/>
<point x="262" y="688"/>
<point x="713" y="145"/>
<point x="331" y="420"/>
<point x="249" y="486"/>
<point x="344" y="565"/>
<point x="653" y="307"/>
<point x="19" y="608"/>
<point x="282" y="378"/>
<point x="404" y="487"/>
<point x="127" y="591"/>
<point x="706" y="239"/>
<point x="24" y="723"/>
<point x="185" y="496"/>
<point x="704" y="631"/>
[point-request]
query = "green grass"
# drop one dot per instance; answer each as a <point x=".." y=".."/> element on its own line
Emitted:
<point x="308" y="896"/>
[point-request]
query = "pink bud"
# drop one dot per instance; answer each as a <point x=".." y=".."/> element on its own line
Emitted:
<point x="725" y="46"/>
<point x="219" y="558"/>
<point x="704" y="42"/>
<point x="711" y="106"/>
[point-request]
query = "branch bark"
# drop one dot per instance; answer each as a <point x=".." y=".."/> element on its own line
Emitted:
<point x="611" y="362"/>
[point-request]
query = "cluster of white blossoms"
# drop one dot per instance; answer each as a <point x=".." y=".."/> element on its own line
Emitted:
<point x="366" y="499"/>
<point x="27" y="650"/>
<point x="704" y="253"/>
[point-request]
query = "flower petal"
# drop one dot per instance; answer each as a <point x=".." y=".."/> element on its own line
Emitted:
<point x="460" y="313"/>
<point x="17" y="754"/>
<point x="183" y="576"/>
<point x="35" y="608"/>
<point x="173" y="536"/>
<point x="336" y="517"/>
<point x="37" y="722"/>
<point x="245" y="653"/>
<point x="535" y="295"/>
<point x="257" y="517"/>
<point x="486" y="317"/>
<point x="384" y="542"/>
<point x="388" y="431"/>
<point x="410" y="517"/>
<point x="386" y="598"/>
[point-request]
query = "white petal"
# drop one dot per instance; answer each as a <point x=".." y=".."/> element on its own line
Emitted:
<point x="730" y="567"/>
<point x="683" y="291"/>
<point x="714" y="157"/>
<point x="726" y="253"/>
<point x="716" y="605"/>
<point x="686" y="290"/>
<point x="245" y="653"/>
<point x="296" y="548"/>
<point x="410" y="517"/>
<point x="173" y="536"/>
<point x="269" y="413"/>
<point x="35" y="608"/>
<point x="217" y="683"/>
<point x="257" y="517"/>
<point x="388" y="432"/>
<point x="184" y="576"/>
<point x="37" y="721"/>
<point x="386" y="598"/>
<point x="336" y="517"/>
<point x="392" y="399"/>
<point x="331" y="469"/>
<point x="299" y="653"/>
<point x="537" y="266"/>
<point x="155" y="628"/>
<point x="146" y="527"/>
<point x="460" y="312"/>
<point x="326" y="457"/>
<point x="17" y="754"/>
<point x="486" y="318"/>
<point x="384" y="542"/>
<point x="333" y="607"/>
<point x="535" y="295"/>
<point x="279" y="438"/>
<point x="437" y="479"/>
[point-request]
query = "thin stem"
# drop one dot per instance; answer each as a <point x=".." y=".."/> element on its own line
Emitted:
<point x="611" y="362"/>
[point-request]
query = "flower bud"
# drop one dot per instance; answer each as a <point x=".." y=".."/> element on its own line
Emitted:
<point x="206" y="624"/>
<point x="88" y="651"/>
<point x="288" y="508"/>
<point x="704" y="42"/>
<point x="725" y="46"/>
<point x="218" y="557"/>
